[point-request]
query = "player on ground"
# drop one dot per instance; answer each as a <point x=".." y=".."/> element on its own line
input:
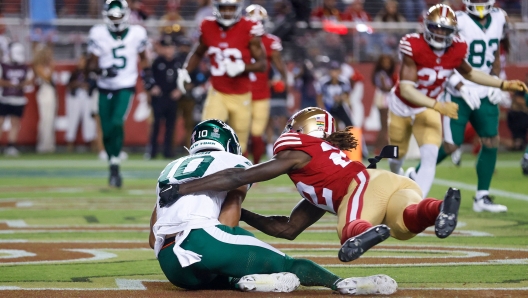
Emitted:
<point x="198" y="242"/>
<point x="230" y="41"/>
<point x="429" y="59"/>
<point x="370" y="204"/>
<point x="482" y="26"/>
<point x="114" y="50"/>
<point x="260" y="84"/>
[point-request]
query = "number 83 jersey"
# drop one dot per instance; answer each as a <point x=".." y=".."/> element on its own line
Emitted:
<point x="120" y="52"/>
<point x="229" y="43"/>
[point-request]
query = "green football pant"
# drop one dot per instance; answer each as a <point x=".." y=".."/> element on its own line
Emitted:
<point x="234" y="252"/>
<point x="113" y="108"/>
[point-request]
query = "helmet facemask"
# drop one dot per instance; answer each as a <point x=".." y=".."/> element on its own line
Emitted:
<point x="440" y="26"/>
<point x="116" y="15"/>
<point x="227" y="12"/>
<point x="479" y="8"/>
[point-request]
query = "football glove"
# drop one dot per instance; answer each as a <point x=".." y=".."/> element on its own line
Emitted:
<point x="183" y="77"/>
<point x="110" y="72"/>
<point x="513" y="85"/>
<point x="470" y="97"/>
<point x="234" y="68"/>
<point x="449" y="109"/>
<point x="494" y="95"/>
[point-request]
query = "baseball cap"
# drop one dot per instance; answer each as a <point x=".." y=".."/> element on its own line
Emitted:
<point x="334" y="65"/>
<point x="167" y="40"/>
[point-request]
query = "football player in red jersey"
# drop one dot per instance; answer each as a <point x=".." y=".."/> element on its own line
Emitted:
<point x="260" y="85"/>
<point x="370" y="204"/>
<point x="429" y="59"/>
<point x="230" y="41"/>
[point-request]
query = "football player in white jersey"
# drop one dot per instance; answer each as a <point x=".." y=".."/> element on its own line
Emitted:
<point x="197" y="240"/>
<point x="114" y="49"/>
<point x="482" y="26"/>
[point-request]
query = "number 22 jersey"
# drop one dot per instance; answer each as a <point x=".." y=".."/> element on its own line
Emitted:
<point x="229" y="43"/>
<point x="325" y="180"/>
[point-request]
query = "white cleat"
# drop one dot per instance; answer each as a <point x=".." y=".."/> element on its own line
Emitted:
<point x="370" y="285"/>
<point x="486" y="204"/>
<point x="411" y="173"/>
<point x="456" y="157"/>
<point x="11" y="151"/>
<point x="283" y="282"/>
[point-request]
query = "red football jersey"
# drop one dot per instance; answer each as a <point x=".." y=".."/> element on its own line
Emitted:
<point x="324" y="181"/>
<point x="229" y="43"/>
<point x="260" y="88"/>
<point x="432" y="70"/>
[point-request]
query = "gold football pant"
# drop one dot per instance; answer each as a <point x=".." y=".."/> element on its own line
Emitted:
<point x="235" y="109"/>
<point x="379" y="197"/>
<point x="259" y="116"/>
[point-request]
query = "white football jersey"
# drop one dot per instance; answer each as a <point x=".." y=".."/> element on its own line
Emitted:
<point x="483" y="42"/>
<point x="199" y="209"/>
<point x="119" y="52"/>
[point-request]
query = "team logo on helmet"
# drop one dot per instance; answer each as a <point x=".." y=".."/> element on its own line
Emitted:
<point x="311" y="121"/>
<point x="214" y="135"/>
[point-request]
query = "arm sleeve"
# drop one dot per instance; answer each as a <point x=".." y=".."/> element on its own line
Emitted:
<point x="143" y="41"/>
<point x="481" y="78"/>
<point x="409" y="92"/>
<point x="93" y="44"/>
<point x="276" y="45"/>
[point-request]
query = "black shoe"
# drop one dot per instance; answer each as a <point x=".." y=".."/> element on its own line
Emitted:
<point x="446" y="221"/>
<point x="354" y="247"/>
<point x="524" y="166"/>
<point x="115" y="179"/>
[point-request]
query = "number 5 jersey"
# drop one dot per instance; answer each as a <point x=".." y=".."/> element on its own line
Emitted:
<point x="229" y="43"/>
<point x="118" y="51"/>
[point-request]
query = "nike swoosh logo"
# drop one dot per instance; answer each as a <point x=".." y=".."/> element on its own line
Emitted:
<point x="170" y="187"/>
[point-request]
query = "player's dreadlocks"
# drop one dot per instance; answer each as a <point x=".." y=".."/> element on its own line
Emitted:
<point x="342" y="139"/>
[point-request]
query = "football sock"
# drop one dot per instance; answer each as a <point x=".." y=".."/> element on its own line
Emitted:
<point x="486" y="166"/>
<point x="258" y="147"/>
<point x="311" y="274"/>
<point x="480" y="193"/>
<point x="424" y="178"/>
<point x="354" y="228"/>
<point x="418" y="217"/>
<point x="395" y="165"/>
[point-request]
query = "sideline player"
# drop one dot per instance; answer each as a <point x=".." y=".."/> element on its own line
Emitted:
<point x="230" y="41"/>
<point x="260" y="84"/>
<point x="370" y="204"/>
<point x="114" y="49"/>
<point x="429" y="59"/>
<point x="482" y="26"/>
<point x="196" y="251"/>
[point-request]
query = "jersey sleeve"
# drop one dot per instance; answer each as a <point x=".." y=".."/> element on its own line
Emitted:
<point x="276" y="43"/>
<point x="143" y="40"/>
<point x="94" y="43"/>
<point x="287" y="141"/>
<point x="405" y="46"/>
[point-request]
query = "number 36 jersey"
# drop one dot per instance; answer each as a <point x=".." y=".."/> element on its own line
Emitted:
<point x="325" y="180"/>
<point x="120" y="52"/>
<point x="432" y="69"/>
<point x="231" y="43"/>
<point x="202" y="205"/>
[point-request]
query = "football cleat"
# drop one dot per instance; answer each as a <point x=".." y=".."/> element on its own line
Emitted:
<point x="115" y="179"/>
<point x="446" y="221"/>
<point x="410" y="173"/>
<point x="524" y="165"/>
<point x="355" y="246"/>
<point x="486" y="204"/>
<point x="370" y="285"/>
<point x="456" y="157"/>
<point x="11" y="151"/>
<point x="283" y="282"/>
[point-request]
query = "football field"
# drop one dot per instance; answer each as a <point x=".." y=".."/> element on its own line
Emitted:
<point x="64" y="233"/>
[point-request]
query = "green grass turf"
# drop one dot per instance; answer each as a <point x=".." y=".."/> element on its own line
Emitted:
<point x="69" y="190"/>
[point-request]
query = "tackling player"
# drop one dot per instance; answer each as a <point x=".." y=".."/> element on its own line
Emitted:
<point x="429" y="59"/>
<point x="196" y="251"/>
<point x="482" y="27"/>
<point x="114" y="50"/>
<point x="370" y="204"/>
<point x="230" y="41"/>
<point x="260" y="85"/>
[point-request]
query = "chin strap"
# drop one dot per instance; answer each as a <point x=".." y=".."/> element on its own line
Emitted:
<point x="387" y="152"/>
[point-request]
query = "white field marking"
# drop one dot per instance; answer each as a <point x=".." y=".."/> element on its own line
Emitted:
<point x="98" y="255"/>
<point x="130" y="284"/>
<point x="13" y="241"/>
<point x="122" y="284"/>
<point x="447" y="254"/>
<point x="337" y="245"/>
<point x="87" y="164"/>
<point x="14" y="223"/>
<point x="24" y="204"/>
<point x="445" y="289"/>
<point x="69" y="241"/>
<point x="487" y="263"/>
<point x="473" y="187"/>
<point x="15" y="253"/>
<point x="21" y="231"/>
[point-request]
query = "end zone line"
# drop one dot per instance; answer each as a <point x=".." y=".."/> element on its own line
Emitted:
<point x="472" y="187"/>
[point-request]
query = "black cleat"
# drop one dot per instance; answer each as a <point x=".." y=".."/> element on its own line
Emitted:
<point x="115" y="179"/>
<point x="524" y="165"/>
<point x="354" y="247"/>
<point x="446" y="221"/>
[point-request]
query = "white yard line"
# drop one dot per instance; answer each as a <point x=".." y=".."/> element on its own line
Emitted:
<point x="473" y="187"/>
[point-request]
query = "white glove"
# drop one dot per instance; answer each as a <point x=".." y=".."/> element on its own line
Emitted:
<point x="183" y="77"/>
<point x="494" y="95"/>
<point x="234" y="68"/>
<point x="470" y="97"/>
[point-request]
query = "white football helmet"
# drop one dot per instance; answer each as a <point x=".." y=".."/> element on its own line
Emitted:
<point x="479" y="8"/>
<point x="440" y="26"/>
<point x="227" y="18"/>
<point x="17" y="53"/>
<point x="116" y="14"/>
<point x="257" y="13"/>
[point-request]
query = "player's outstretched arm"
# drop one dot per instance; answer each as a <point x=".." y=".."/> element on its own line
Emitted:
<point x="481" y="78"/>
<point x="288" y="227"/>
<point x="230" y="179"/>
